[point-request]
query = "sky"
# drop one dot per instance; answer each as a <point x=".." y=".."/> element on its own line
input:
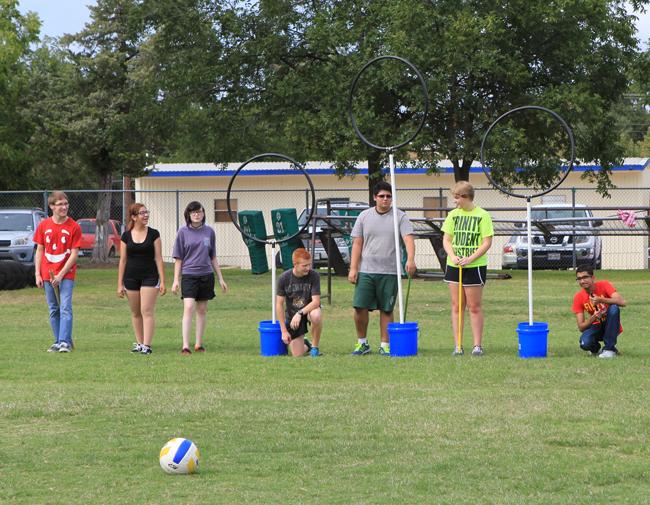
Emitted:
<point x="68" y="16"/>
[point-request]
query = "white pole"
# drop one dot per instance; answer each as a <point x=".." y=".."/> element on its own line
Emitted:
<point x="274" y="252"/>
<point x="398" y="258"/>
<point x="530" y="263"/>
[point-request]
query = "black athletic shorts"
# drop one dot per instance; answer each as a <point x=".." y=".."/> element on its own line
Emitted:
<point x="199" y="287"/>
<point x="136" y="284"/>
<point x="301" y="330"/>
<point x="472" y="276"/>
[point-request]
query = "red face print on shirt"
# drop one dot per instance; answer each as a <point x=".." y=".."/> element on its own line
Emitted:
<point x="57" y="245"/>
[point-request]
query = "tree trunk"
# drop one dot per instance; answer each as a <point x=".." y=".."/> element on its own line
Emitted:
<point x="461" y="169"/>
<point x="100" y="251"/>
<point x="128" y="194"/>
<point x="374" y="174"/>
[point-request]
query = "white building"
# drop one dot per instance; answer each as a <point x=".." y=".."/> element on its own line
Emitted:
<point x="265" y="186"/>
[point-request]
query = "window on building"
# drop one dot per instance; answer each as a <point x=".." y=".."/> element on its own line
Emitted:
<point x="221" y="210"/>
<point x="437" y="202"/>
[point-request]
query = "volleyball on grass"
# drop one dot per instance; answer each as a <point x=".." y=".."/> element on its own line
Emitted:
<point x="179" y="455"/>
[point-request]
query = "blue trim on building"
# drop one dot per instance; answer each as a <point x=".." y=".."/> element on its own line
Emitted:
<point x="361" y="171"/>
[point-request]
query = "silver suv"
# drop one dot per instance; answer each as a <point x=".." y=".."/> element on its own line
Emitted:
<point x="556" y="248"/>
<point x="17" y="227"/>
<point x="338" y="207"/>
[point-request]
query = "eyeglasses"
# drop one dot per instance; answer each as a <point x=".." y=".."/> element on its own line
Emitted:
<point x="384" y="196"/>
<point x="582" y="277"/>
<point x="144" y="212"/>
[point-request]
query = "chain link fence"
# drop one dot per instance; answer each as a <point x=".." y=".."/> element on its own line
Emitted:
<point x="167" y="207"/>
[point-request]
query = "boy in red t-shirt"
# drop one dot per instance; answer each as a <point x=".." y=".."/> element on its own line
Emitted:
<point x="601" y="301"/>
<point x="58" y="239"/>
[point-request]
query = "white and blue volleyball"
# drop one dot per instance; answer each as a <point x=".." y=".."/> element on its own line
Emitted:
<point x="179" y="455"/>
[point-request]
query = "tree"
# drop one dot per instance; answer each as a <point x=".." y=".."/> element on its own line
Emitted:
<point x="17" y="32"/>
<point x="95" y="109"/>
<point x="481" y="58"/>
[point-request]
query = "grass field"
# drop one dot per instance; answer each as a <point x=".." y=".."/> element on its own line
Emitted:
<point x="86" y="428"/>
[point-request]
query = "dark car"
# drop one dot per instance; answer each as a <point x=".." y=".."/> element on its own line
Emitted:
<point x="565" y="239"/>
<point x="89" y="235"/>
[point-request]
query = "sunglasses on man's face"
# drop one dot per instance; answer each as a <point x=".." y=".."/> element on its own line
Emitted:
<point x="384" y="196"/>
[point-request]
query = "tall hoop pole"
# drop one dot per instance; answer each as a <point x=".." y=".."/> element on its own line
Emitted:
<point x="530" y="261"/>
<point x="398" y="252"/>
<point x="273" y="287"/>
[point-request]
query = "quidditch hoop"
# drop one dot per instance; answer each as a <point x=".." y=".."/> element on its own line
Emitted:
<point x="311" y="188"/>
<point x="353" y="88"/>
<point x="566" y="128"/>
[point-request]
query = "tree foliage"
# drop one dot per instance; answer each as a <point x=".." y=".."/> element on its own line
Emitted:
<point x="17" y="32"/>
<point x="197" y="80"/>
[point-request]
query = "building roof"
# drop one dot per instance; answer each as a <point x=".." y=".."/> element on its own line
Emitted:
<point x="325" y="168"/>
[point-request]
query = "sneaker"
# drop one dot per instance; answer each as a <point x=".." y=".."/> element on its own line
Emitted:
<point x="54" y="347"/>
<point x="477" y="351"/>
<point x="199" y="348"/>
<point x="145" y="349"/>
<point x="185" y="351"/>
<point x="136" y="347"/>
<point x="64" y="347"/>
<point x="384" y="351"/>
<point x="458" y="351"/>
<point x="314" y="352"/>
<point x="606" y="353"/>
<point x="361" y="349"/>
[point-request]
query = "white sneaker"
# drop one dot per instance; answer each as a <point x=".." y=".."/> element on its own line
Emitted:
<point x="64" y="347"/>
<point x="477" y="351"/>
<point x="607" y="354"/>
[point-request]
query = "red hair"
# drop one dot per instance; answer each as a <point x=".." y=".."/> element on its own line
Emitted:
<point x="300" y="254"/>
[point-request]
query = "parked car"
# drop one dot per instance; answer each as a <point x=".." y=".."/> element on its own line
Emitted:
<point x="338" y="207"/>
<point x="89" y="234"/>
<point x="557" y="248"/>
<point x="17" y="227"/>
<point x="509" y="257"/>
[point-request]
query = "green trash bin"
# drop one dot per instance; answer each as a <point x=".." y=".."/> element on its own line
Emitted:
<point x="285" y="224"/>
<point x="252" y="222"/>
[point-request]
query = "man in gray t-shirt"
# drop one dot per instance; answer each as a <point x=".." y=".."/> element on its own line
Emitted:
<point x="373" y="267"/>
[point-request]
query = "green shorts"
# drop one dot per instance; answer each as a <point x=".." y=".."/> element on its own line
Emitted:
<point x="375" y="291"/>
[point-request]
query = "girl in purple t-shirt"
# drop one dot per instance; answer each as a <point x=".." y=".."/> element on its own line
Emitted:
<point x="195" y="264"/>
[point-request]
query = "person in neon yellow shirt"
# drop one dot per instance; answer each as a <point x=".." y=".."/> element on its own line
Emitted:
<point x="467" y="237"/>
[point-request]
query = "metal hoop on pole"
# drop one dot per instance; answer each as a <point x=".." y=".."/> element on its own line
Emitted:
<point x="390" y="150"/>
<point x="273" y="243"/>
<point x="528" y="198"/>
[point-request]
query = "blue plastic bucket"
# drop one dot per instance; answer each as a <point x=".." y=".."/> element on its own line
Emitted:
<point x="532" y="339"/>
<point x="271" y="343"/>
<point x="403" y="339"/>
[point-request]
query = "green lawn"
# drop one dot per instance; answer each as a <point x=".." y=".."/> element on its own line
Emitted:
<point x="86" y="428"/>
